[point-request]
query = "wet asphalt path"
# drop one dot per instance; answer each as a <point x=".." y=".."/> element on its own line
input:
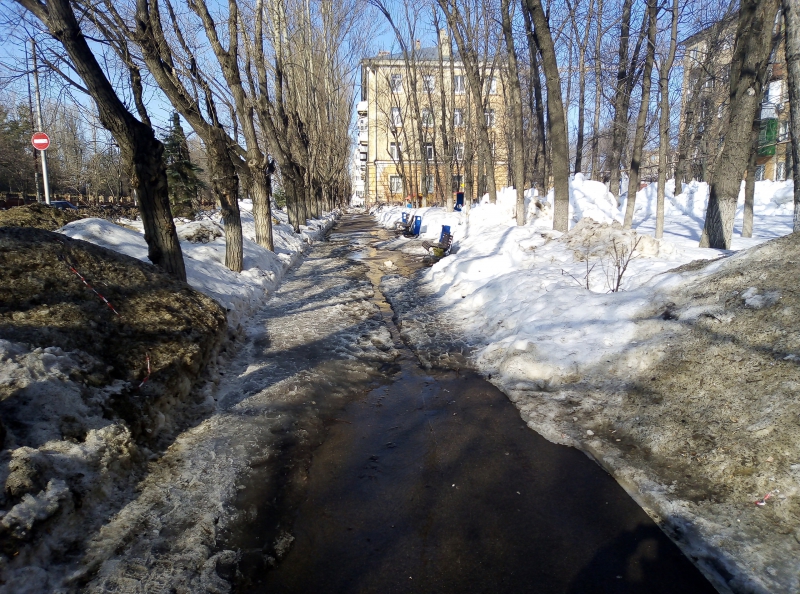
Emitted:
<point x="433" y="483"/>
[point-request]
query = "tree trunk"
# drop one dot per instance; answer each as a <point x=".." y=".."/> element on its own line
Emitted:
<point x="750" y="60"/>
<point x="791" y="18"/>
<point x="750" y="184"/>
<point x="641" y="120"/>
<point x="262" y="209"/>
<point x="663" y="122"/>
<point x="598" y="72"/>
<point x="540" y="155"/>
<point x="138" y="145"/>
<point x="555" y="114"/>
<point x="518" y="164"/>
<point x="619" y="131"/>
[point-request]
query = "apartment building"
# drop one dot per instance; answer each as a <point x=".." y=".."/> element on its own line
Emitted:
<point x="406" y="152"/>
<point x="706" y="88"/>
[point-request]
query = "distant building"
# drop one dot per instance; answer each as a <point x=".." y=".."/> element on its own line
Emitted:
<point x="402" y="156"/>
<point x="707" y="65"/>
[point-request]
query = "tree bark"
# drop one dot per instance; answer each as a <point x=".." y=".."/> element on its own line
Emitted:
<point x="598" y="72"/>
<point x="791" y="18"/>
<point x="138" y="144"/>
<point x="663" y="122"/>
<point x="641" y="120"/>
<point x="540" y="154"/>
<point x="750" y="184"/>
<point x="518" y="163"/>
<point x="750" y="60"/>
<point x="619" y="129"/>
<point x="555" y="114"/>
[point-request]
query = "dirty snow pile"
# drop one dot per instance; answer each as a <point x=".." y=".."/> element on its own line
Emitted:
<point x="66" y="456"/>
<point x="203" y="245"/>
<point x="549" y="317"/>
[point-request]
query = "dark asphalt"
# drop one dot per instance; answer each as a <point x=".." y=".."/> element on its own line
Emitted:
<point x="433" y="483"/>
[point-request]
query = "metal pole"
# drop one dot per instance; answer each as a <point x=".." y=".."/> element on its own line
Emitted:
<point x="33" y="148"/>
<point x="39" y="124"/>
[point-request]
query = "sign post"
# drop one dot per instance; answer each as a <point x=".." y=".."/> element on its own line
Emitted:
<point x="41" y="137"/>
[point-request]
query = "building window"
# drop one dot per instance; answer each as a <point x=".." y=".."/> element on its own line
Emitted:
<point x="783" y="131"/>
<point x="489" y="113"/>
<point x="709" y="84"/>
<point x="780" y="171"/>
<point x="760" y="171"/>
<point x="429" y="83"/>
<point x="396" y="82"/>
<point x="458" y="117"/>
<point x="491" y="85"/>
<point x="458" y="180"/>
<point x="397" y="118"/>
<point x="429" y="151"/>
<point x="395" y="148"/>
<point x="427" y="118"/>
<point x="458" y="151"/>
<point x="428" y="183"/>
<point x="458" y="84"/>
<point x="396" y="184"/>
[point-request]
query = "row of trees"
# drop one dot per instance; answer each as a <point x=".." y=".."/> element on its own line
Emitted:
<point x="587" y="85"/>
<point x="266" y="86"/>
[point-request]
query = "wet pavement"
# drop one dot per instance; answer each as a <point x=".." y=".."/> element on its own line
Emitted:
<point x="433" y="483"/>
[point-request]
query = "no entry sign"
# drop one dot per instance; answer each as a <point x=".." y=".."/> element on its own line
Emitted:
<point x="40" y="141"/>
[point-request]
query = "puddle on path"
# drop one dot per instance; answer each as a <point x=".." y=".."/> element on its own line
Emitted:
<point x="433" y="483"/>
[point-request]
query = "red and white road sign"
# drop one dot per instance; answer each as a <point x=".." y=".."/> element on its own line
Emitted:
<point x="40" y="141"/>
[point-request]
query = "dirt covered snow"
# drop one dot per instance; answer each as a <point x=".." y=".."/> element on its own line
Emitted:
<point x="90" y="387"/>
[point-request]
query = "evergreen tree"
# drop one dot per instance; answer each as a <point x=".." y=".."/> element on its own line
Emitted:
<point x="182" y="174"/>
<point x="16" y="158"/>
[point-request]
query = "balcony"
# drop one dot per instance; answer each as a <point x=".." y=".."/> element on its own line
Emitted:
<point x="361" y="108"/>
<point x="363" y="136"/>
<point x="769" y="111"/>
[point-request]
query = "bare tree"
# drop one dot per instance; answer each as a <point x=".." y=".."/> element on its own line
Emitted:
<point x="664" y="119"/>
<point x="518" y="156"/>
<point x="555" y="112"/>
<point x="751" y="56"/>
<point x="139" y="146"/>
<point x="641" y="120"/>
<point x="791" y="18"/>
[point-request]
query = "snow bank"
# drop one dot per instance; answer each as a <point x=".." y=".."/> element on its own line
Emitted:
<point x="203" y="245"/>
<point x="540" y="314"/>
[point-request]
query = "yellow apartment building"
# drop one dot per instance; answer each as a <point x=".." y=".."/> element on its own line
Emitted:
<point x="405" y="149"/>
<point x="774" y="159"/>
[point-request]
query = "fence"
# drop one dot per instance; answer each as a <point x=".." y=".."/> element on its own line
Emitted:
<point x="9" y="199"/>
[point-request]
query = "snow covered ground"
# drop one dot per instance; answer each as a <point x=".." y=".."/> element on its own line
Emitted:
<point x="203" y="245"/>
<point x="539" y="313"/>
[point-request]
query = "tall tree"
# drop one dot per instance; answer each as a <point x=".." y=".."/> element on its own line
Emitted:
<point x="644" y="108"/>
<point x="557" y="130"/>
<point x="140" y="148"/>
<point x="583" y="43"/>
<point x="750" y="59"/>
<point x="598" y="93"/>
<point x="791" y="19"/>
<point x="518" y="153"/>
<point x="476" y="68"/>
<point x="663" y="122"/>
<point x="182" y="174"/>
